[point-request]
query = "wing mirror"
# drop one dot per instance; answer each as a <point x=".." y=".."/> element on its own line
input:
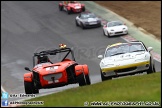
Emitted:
<point x="100" y="56"/>
<point x="150" y="49"/>
<point x="26" y="68"/>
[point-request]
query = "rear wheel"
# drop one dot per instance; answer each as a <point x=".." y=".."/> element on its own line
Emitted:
<point x="28" y="87"/>
<point x="82" y="80"/>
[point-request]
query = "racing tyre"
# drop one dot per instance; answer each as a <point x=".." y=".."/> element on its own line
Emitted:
<point x="108" y="34"/>
<point x="103" y="78"/>
<point x="100" y="25"/>
<point x="83" y="9"/>
<point x="104" y="33"/>
<point x="151" y="68"/>
<point x="28" y="87"/>
<point x="82" y="80"/>
<point x="35" y="91"/>
<point x="60" y="8"/>
<point x="69" y="12"/>
<point x="154" y="68"/>
<point x="82" y="26"/>
<point x="87" y="79"/>
<point x="76" y="23"/>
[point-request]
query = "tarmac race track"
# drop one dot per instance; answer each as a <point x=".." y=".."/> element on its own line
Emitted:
<point x="30" y="26"/>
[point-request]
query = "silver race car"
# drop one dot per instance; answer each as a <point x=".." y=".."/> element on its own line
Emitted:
<point x="87" y="19"/>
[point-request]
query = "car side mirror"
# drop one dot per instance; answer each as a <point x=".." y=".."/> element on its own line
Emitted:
<point x="26" y="68"/>
<point x="100" y="56"/>
<point x="150" y="49"/>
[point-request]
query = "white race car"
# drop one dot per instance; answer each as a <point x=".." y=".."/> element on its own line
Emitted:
<point x="113" y="28"/>
<point x="126" y="59"/>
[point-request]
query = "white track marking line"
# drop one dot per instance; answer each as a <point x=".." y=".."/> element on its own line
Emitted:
<point x="3" y="89"/>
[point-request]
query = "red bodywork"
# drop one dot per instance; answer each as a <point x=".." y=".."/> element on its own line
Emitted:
<point x="46" y="74"/>
<point x="58" y="70"/>
<point x="73" y="7"/>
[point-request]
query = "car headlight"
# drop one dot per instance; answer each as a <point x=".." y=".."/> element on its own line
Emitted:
<point x="109" y="65"/>
<point x="141" y="58"/>
<point x="106" y="65"/>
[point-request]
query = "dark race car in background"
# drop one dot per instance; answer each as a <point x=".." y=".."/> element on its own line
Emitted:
<point x="47" y="74"/>
<point x="72" y="7"/>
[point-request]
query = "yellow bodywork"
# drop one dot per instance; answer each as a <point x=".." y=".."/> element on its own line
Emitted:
<point x="114" y="45"/>
<point x="124" y="66"/>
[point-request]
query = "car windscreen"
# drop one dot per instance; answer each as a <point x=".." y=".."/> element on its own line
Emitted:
<point x="86" y="16"/>
<point x="56" y="56"/>
<point x="124" y="48"/>
<point x="112" y="24"/>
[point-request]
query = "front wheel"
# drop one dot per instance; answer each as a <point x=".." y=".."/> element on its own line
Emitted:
<point x="104" y="33"/>
<point x="82" y="80"/>
<point x="28" y="87"/>
<point x="82" y="26"/>
<point x="151" y="68"/>
<point x="83" y="9"/>
<point x="87" y="79"/>
<point x="69" y="11"/>
<point x="35" y="91"/>
<point x="60" y="8"/>
<point x="108" y="35"/>
<point x="154" y="68"/>
<point x="103" y="78"/>
<point x="76" y="23"/>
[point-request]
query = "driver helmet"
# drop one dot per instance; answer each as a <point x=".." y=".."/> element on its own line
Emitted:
<point x="43" y="59"/>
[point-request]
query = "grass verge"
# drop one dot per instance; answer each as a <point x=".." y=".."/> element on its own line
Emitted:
<point x="146" y="88"/>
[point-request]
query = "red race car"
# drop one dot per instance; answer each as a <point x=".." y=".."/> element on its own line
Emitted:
<point x="46" y="74"/>
<point x="71" y="6"/>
